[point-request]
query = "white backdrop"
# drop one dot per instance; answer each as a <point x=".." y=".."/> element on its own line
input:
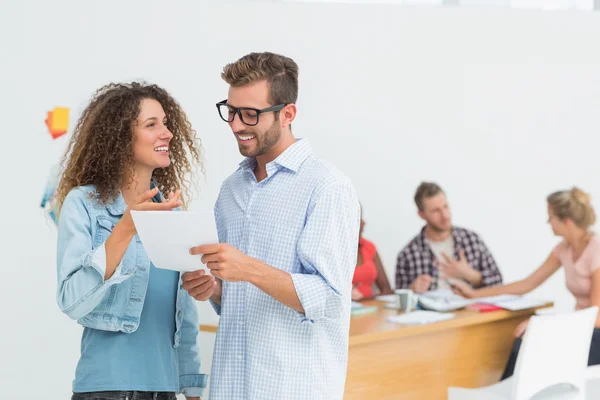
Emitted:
<point x="498" y="106"/>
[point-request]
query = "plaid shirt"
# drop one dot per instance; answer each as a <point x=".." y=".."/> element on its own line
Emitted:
<point x="417" y="259"/>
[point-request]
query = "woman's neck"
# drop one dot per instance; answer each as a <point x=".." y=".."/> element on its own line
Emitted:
<point x="135" y="186"/>
<point x="578" y="240"/>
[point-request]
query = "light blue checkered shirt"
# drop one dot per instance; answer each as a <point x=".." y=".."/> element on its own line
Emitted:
<point x="303" y="219"/>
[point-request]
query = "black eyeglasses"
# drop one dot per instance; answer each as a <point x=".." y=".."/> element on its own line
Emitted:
<point x="249" y="116"/>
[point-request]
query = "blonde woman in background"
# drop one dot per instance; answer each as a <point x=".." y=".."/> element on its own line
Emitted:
<point x="570" y="214"/>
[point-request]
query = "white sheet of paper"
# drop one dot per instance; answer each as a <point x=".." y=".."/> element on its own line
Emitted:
<point x="443" y="294"/>
<point x="388" y="298"/>
<point x="168" y="236"/>
<point x="512" y="302"/>
<point x="443" y="305"/>
<point x="420" y="317"/>
<point x="498" y="299"/>
<point x="521" y="304"/>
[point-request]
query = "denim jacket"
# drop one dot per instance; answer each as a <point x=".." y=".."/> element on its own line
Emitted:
<point x="115" y="304"/>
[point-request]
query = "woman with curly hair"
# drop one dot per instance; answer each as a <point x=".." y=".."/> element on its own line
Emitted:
<point x="140" y="332"/>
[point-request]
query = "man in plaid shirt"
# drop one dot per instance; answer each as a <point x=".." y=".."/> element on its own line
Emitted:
<point x="442" y="251"/>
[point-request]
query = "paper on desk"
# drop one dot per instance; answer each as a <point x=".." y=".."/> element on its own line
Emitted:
<point x="498" y="299"/>
<point x="442" y="294"/>
<point x="442" y="305"/>
<point x="420" y="317"/>
<point x="522" y="303"/>
<point x="168" y="236"/>
<point x="449" y="301"/>
<point x="512" y="302"/>
<point x="388" y="298"/>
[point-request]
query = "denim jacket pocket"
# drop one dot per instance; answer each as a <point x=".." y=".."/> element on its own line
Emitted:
<point x="104" y="227"/>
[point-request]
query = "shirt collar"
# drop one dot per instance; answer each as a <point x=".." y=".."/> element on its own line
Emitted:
<point x="118" y="206"/>
<point x="291" y="158"/>
<point x="423" y="238"/>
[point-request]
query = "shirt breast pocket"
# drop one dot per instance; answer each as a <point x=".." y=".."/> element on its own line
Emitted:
<point x="277" y="245"/>
<point x="104" y="227"/>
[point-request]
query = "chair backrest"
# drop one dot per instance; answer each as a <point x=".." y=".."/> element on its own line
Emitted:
<point x="554" y="351"/>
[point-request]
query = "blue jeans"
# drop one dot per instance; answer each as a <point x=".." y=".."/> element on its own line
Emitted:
<point x="593" y="359"/>
<point x="120" y="395"/>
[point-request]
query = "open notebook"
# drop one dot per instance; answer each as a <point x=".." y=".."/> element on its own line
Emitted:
<point x="446" y="300"/>
<point x="443" y="301"/>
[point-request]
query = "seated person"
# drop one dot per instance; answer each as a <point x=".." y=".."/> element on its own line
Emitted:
<point x="570" y="214"/>
<point x="442" y="251"/>
<point x="369" y="270"/>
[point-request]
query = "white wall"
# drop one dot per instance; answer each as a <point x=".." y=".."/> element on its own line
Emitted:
<point x="582" y="5"/>
<point x="498" y="106"/>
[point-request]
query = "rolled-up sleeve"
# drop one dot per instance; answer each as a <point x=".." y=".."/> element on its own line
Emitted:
<point x="327" y="249"/>
<point x="80" y="267"/>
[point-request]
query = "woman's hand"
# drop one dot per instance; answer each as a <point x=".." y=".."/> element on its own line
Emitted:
<point x="356" y="294"/>
<point x="144" y="203"/>
<point x="200" y="285"/>
<point x="462" y="288"/>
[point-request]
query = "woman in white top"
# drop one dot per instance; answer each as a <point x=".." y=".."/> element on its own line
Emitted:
<point x="570" y="214"/>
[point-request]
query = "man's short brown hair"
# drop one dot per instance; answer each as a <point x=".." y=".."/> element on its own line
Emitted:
<point x="280" y="72"/>
<point x="425" y="191"/>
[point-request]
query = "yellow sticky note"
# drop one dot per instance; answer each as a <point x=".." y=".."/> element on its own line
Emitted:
<point x="58" y="121"/>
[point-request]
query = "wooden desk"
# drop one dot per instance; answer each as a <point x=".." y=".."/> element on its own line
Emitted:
<point x="388" y="361"/>
<point x="392" y="361"/>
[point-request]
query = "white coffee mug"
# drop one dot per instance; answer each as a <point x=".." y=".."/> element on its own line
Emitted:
<point x="406" y="300"/>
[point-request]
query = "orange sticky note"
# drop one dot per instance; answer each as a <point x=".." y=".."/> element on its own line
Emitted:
<point x="58" y="121"/>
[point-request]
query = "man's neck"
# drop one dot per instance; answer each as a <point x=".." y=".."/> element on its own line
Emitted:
<point x="260" y="171"/>
<point x="435" y="235"/>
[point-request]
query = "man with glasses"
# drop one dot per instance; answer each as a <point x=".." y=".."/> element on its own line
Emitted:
<point x="288" y="225"/>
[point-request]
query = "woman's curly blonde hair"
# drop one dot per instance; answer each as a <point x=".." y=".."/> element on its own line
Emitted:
<point x="100" y="151"/>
